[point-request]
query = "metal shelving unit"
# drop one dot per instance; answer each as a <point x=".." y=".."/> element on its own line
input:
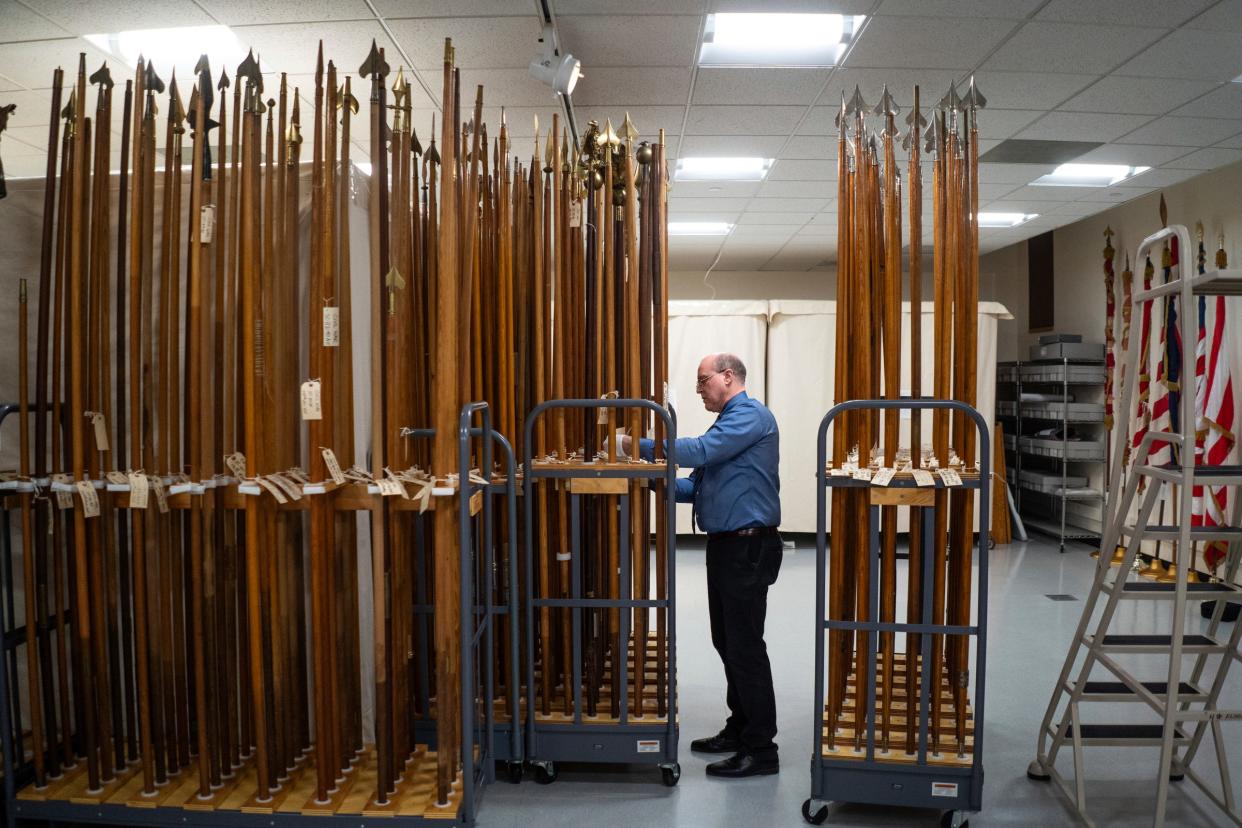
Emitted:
<point x="1050" y="474"/>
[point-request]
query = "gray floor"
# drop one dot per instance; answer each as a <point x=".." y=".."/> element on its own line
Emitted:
<point x="1029" y="634"/>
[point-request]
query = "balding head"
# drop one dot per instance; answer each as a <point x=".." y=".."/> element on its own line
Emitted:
<point x="721" y="377"/>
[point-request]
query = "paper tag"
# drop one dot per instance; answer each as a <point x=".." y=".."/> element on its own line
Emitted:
<point x="950" y="477"/>
<point x="293" y="491"/>
<point x="389" y="486"/>
<point x="575" y="213"/>
<point x="207" y="223"/>
<point x="932" y="462"/>
<point x="161" y="497"/>
<point x="311" y="409"/>
<point x="838" y="473"/>
<point x="236" y="463"/>
<point x="101" y="430"/>
<point x="862" y="474"/>
<point x="397" y="488"/>
<point x="272" y="489"/>
<point x="331" y="327"/>
<point x="883" y="477"/>
<point x="90" y="500"/>
<point x="334" y="467"/>
<point x="138" y="490"/>
<point x="922" y="477"/>
<point x="116" y="477"/>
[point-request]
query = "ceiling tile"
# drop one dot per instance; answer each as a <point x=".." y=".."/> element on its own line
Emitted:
<point x="1070" y="47"/>
<point x="609" y="7"/>
<point x="459" y="8"/>
<point x="900" y="81"/>
<point x="31" y="64"/>
<point x="629" y="40"/>
<point x="649" y="120"/>
<point x="777" y="233"/>
<point x="790" y="205"/>
<point x="121" y="15"/>
<point x="20" y="23"/>
<point x="690" y="204"/>
<point x="1186" y="53"/>
<point x="792" y="6"/>
<point x="1043" y="90"/>
<point x="1011" y="9"/>
<point x="625" y="86"/>
<point x="760" y="217"/>
<point x="1138" y="96"/>
<point x="944" y="42"/>
<point x="479" y="42"/>
<point x="1165" y="177"/>
<point x="1225" y="16"/>
<point x="1122" y="11"/>
<point x="232" y="13"/>
<point x="1078" y="126"/>
<point x="810" y="147"/>
<point x="798" y="189"/>
<point x="762" y="146"/>
<point x="1117" y="195"/>
<point x="1012" y="173"/>
<point x="715" y="215"/>
<point x="1207" y="159"/>
<point x="1225" y="101"/>
<point x="988" y="191"/>
<point x="292" y="47"/>
<point x="1235" y="141"/>
<point x="805" y="170"/>
<point x="502" y="86"/>
<point x="757" y="86"/>
<point x="743" y="120"/>
<point x="5" y="83"/>
<point x="1138" y="155"/>
<point x="1190" y="132"/>
<point x="1004" y="123"/>
<point x="713" y="189"/>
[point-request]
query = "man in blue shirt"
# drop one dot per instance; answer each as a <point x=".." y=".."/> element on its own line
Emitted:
<point x="735" y="492"/>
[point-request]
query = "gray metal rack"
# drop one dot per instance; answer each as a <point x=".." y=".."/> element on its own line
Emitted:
<point x="1043" y="504"/>
<point x="628" y="739"/>
<point x="917" y="783"/>
<point x="478" y="740"/>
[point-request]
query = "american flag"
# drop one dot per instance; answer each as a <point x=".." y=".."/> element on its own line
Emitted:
<point x="1142" y="413"/>
<point x="1166" y="405"/>
<point x="1213" y="414"/>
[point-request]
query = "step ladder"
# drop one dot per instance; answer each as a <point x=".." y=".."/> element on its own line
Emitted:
<point x="1098" y="667"/>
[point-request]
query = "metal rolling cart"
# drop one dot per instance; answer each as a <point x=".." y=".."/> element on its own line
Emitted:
<point x="478" y="750"/>
<point x="916" y="781"/>
<point x="578" y="737"/>
<point x="507" y="746"/>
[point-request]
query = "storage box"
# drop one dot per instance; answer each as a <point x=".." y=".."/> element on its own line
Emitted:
<point x="1068" y="350"/>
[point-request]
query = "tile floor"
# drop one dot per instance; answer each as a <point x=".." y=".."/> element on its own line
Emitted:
<point x="1029" y="634"/>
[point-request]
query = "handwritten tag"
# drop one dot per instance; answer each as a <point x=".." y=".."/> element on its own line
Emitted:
<point x="331" y="327"/>
<point x="161" y="497"/>
<point x="291" y="489"/>
<point x="862" y="474"/>
<point x="90" y="499"/>
<point x="207" y="223"/>
<point x="575" y="213"/>
<point x="950" y="477"/>
<point x="334" y="467"/>
<point x="311" y="409"/>
<point x="139" y="490"/>
<point x="922" y="477"/>
<point x="398" y="487"/>
<point x="64" y="499"/>
<point x="389" y="486"/>
<point x="272" y="489"/>
<point x="119" y="478"/>
<point x="883" y="477"/>
<point x="236" y="463"/>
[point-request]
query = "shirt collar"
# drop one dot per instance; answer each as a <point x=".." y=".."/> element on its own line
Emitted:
<point x="738" y="397"/>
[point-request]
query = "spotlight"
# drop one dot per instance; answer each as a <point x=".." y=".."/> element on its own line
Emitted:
<point x="561" y="72"/>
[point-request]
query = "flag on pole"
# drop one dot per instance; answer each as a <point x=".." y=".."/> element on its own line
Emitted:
<point x="1142" y="413"/>
<point x="1166" y="403"/>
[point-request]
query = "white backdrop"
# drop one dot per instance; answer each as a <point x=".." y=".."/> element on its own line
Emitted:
<point x="796" y="339"/>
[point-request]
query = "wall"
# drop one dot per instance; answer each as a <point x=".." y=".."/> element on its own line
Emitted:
<point x="775" y="284"/>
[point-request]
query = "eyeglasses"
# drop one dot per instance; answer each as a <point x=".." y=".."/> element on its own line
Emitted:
<point x="702" y="381"/>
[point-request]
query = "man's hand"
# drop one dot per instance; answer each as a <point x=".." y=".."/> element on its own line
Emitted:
<point x="624" y="443"/>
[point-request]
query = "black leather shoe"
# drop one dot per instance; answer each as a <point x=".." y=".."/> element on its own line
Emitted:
<point x="741" y="765"/>
<point x="720" y="743"/>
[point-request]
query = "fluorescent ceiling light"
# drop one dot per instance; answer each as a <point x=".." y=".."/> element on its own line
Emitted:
<point x="722" y="169"/>
<point x="777" y="39"/>
<point x="1005" y="219"/>
<point x="180" y="47"/>
<point x="1088" y="175"/>
<point x="699" y="228"/>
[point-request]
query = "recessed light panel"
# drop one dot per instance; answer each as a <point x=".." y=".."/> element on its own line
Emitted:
<point x="179" y="46"/>
<point x="763" y="39"/>
<point x="722" y="169"/>
<point x="1005" y="219"/>
<point x="1088" y="175"/>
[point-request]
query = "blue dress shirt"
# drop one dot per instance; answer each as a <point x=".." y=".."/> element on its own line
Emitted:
<point x="734" y="484"/>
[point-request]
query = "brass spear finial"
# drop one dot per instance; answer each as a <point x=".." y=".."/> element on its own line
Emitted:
<point x="1222" y="258"/>
<point x="102" y="76"/>
<point x="628" y="131"/>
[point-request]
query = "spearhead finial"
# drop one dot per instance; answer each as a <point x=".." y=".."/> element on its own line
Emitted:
<point x="67" y="112"/>
<point x="203" y="70"/>
<point x="1164" y="212"/>
<point x="176" y="112"/>
<point x="5" y="112"/>
<point x="916" y="121"/>
<point x="224" y="82"/>
<point x="857" y="106"/>
<point x="628" y="130"/>
<point x="433" y="155"/>
<point x="887" y="106"/>
<point x="842" y="114"/>
<point x="153" y="82"/>
<point x="102" y="76"/>
<point x="1199" y="231"/>
<point x="1222" y="258"/>
<point x="346" y="99"/>
<point x="973" y="99"/>
<point x="609" y="135"/>
<point x="400" y="88"/>
<point x="951" y="99"/>
<point x="374" y="66"/>
<point x="415" y="147"/>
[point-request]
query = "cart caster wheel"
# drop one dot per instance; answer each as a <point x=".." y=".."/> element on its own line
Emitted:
<point x="671" y="774"/>
<point x="545" y="773"/>
<point x="816" y="818"/>
<point x="1176" y="777"/>
<point x="1036" y="772"/>
<point x="513" y="771"/>
<point x="954" y="819"/>
<point x="991" y="542"/>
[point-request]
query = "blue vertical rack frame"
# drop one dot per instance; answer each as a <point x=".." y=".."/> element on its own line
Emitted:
<point x="583" y="740"/>
<point x="953" y="789"/>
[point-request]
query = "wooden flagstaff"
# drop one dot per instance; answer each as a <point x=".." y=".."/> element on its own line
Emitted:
<point x="376" y="69"/>
<point x="44" y="516"/>
<point x="891" y="336"/>
<point x="33" y="683"/>
<point x="914" y="579"/>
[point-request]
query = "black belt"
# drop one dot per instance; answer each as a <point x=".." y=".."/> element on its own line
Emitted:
<point x="749" y="532"/>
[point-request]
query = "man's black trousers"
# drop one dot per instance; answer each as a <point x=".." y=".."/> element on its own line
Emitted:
<point x="739" y="571"/>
